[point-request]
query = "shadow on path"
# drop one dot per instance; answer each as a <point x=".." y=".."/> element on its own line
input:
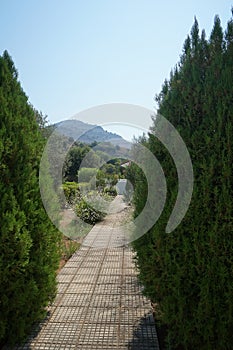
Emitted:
<point x="144" y="335"/>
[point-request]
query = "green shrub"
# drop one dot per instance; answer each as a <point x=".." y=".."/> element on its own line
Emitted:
<point x="86" y="174"/>
<point x="85" y="187"/>
<point x="87" y="213"/>
<point x="71" y="191"/>
<point x="111" y="191"/>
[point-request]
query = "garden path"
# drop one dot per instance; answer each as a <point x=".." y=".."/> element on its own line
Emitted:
<point x="99" y="304"/>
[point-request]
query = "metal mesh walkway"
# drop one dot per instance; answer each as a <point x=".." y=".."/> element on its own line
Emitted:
<point x="99" y="304"/>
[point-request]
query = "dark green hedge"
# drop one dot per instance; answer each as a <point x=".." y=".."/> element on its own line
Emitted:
<point x="28" y="241"/>
<point x="188" y="273"/>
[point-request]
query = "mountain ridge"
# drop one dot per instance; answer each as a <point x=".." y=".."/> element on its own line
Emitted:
<point x="89" y="133"/>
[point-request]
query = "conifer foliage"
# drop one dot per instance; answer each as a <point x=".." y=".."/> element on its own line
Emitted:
<point x="28" y="241"/>
<point x="188" y="273"/>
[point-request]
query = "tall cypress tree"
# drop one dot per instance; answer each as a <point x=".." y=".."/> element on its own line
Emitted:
<point x="29" y="243"/>
<point x="188" y="273"/>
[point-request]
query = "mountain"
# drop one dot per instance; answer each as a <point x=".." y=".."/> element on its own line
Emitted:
<point x="88" y="133"/>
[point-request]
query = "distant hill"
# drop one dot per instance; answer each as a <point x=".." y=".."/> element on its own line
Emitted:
<point x="88" y="133"/>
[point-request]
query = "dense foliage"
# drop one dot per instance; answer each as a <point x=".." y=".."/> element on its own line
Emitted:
<point x="71" y="192"/>
<point x="88" y="213"/>
<point x="111" y="191"/>
<point x="79" y="197"/>
<point x="74" y="158"/>
<point x="93" y="156"/>
<point x="188" y="273"/>
<point x="29" y="243"/>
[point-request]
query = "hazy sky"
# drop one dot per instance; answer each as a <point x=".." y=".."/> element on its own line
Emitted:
<point x="72" y="55"/>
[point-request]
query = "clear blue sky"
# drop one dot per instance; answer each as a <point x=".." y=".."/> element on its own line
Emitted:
<point x="72" y="55"/>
